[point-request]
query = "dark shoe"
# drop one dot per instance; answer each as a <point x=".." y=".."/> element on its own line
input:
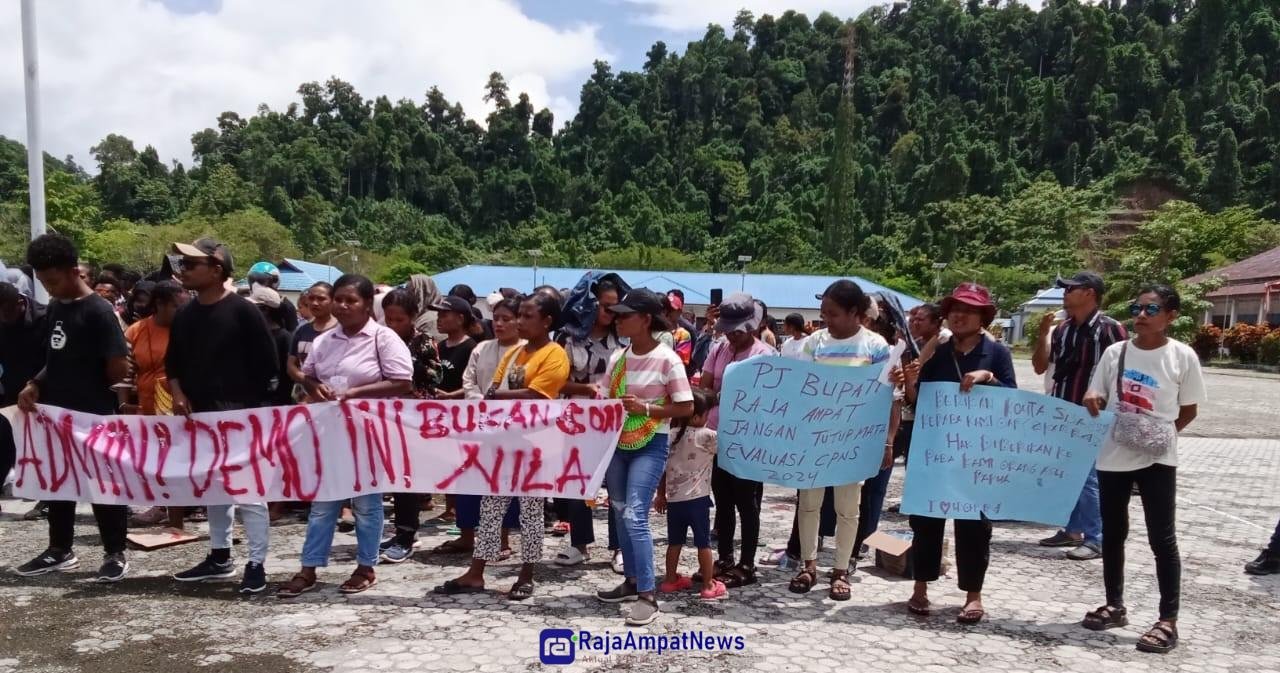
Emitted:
<point x="397" y="553"/>
<point x="254" y="580"/>
<point x="38" y="511"/>
<point x="1085" y="552"/>
<point x="1060" y="539"/>
<point x="1267" y="563"/>
<point x="623" y="592"/>
<point x="208" y="569"/>
<point x="113" y="569"/>
<point x="50" y="561"/>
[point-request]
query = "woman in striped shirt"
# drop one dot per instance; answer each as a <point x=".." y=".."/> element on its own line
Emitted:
<point x="650" y="380"/>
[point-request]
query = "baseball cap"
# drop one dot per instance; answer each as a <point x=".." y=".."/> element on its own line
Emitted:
<point x="641" y="300"/>
<point x="452" y="303"/>
<point x="739" y="312"/>
<point x="1087" y="279"/>
<point x="264" y="296"/>
<point x="206" y="247"/>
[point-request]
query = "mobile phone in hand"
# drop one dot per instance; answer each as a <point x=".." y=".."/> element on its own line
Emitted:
<point x="717" y="296"/>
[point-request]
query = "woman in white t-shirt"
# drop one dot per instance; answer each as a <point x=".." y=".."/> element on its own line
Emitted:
<point x="1160" y="379"/>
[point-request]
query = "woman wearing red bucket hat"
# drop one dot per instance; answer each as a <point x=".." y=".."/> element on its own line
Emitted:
<point x="969" y="358"/>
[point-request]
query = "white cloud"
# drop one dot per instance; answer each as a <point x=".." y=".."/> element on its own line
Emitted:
<point x="136" y="68"/>
<point x="694" y="15"/>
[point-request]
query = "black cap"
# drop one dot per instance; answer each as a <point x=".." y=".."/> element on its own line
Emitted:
<point x="452" y="303"/>
<point x="465" y="292"/>
<point x="1087" y="279"/>
<point x="641" y="300"/>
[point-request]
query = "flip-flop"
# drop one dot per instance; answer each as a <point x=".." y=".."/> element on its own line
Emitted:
<point x="453" y="588"/>
<point x="970" y="616"/>
<point x="916" y="609"/>
<point x="520" y="591"/>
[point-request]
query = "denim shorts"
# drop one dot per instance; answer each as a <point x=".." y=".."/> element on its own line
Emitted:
<point x="690" y="514"/>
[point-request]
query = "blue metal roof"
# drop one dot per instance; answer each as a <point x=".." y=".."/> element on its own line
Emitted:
<point x="1044" y="298"/>
<point x="775" y="290"/>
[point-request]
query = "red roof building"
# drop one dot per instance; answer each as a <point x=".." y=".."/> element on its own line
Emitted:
<point x="1250" y="291"/>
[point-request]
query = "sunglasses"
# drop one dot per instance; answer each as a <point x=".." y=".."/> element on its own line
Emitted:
<point x="1151" y="310"/>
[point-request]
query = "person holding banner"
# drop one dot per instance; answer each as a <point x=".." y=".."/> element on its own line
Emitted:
<point x="739" y="319"/>
<point x="1155" y="385"/>
<point x="844" y="342"/>
<point x="536" y="371"/>
<point x="970" y="357"/>
<point x="359" y="359"/>
<point x="87" y="355"/>
<point x="589" y="356"/>
<point x="650" y="380"/>
<point x="400" y="309"/>
<point x="221" y="357"/>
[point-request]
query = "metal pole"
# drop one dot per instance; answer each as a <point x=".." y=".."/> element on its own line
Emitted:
<point x="35" y="151"/>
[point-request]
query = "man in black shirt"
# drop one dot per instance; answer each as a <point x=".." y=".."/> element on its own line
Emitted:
<point x="221" y="357"/>
<point x="87" y="355"/>
<point x="455" y="323"/>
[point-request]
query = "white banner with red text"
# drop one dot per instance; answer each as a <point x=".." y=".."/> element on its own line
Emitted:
<point x="322" y="452"/>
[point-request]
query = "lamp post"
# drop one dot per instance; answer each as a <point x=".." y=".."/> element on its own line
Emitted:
<point x="743" y="260"/>
<point x="937" y="278"/>
<point x="535" y="254"/>
<point x="35" y="152"/>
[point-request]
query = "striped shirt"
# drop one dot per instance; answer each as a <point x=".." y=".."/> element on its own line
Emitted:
<point x="653" y="376"/>
<point x="1076" y="350"/>
<point x="861" y="349"/>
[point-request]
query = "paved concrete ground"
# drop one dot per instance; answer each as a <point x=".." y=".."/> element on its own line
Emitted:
<point x="1229" y="503"/>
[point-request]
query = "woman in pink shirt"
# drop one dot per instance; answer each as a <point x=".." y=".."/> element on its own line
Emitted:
<point x="650" y="380"/>
<point x="356" y="360"/>
<point x="740" y="316"/>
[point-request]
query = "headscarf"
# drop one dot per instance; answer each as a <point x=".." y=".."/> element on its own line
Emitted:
<point x="424" y="288"/>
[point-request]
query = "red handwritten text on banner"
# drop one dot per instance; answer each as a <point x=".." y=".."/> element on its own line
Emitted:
<point x="318" y="452"/>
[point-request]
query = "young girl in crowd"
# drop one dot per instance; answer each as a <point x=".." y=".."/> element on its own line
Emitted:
<point x="685" y="494"/>
<point x="970" y="357"/>
<point x="537" y="371"/>
<point x="844" y="342"/>
<point x="481" y="368"/>
<point x="359" y="359"/>
<point x="1155" y="385"/>
<point x="650" y="380"/>
<point x="400" y="309"/>
<point x="320" y="300"/>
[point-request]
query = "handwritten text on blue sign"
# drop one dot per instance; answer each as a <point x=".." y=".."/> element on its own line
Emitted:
<point x="1005" y="453"/>
<point x="802" y="425"/>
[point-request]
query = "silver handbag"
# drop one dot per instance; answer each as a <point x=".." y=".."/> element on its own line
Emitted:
<point x="1142" y="433"/>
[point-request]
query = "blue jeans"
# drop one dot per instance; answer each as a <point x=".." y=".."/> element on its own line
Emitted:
<point x="632" y="480"/>
<point x="323" y="520"/>
<point x="1086" y="518"/>
<point x="871" y="507"/>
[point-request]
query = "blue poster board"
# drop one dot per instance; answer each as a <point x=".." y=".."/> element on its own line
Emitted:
<point x="1005" y="453"/>
<point x="802" y="425"/>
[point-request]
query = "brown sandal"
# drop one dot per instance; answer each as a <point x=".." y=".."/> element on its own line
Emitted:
<point x="298" y="585"/>
<point x="361" y="580"/>
<point x="802" y="582"/>
<point x="841" y="590"/>
<point x="919" y="609"/>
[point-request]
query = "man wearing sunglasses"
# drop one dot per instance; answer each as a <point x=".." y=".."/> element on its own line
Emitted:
<point x="221" y="357"/>
<point x="1074" y="350"/>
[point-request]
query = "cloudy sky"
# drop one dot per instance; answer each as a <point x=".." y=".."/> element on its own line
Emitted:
<point x="159" y="70"/>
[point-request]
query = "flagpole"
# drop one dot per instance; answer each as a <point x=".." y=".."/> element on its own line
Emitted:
<point x="35" y="151"/>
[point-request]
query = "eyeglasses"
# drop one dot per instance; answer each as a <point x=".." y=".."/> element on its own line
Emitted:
<point x="184" y="263"/>
<point x="1151" y="310"/>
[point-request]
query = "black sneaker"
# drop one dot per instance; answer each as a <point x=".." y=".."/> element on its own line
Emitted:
<point x="623" y="592"/>
<point x="114" y="568"/>
<point x="1267" y="563"/>
<point x="386" y="543"/>
<point x="208" y="569"/>
<point x="49" y="561"/>
<point x="254" y="580"/>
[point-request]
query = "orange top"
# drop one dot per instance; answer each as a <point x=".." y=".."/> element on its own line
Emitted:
<point x="148" y="342"/>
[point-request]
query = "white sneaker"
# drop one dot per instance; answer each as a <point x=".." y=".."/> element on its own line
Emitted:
<point x="616" y="564"/>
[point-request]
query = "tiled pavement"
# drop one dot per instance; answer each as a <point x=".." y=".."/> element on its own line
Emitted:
<point x="1229" y="503"/>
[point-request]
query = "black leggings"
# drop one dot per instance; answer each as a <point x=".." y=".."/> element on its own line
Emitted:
<point x="407" y="517"/>
<point x="8" y="450"/>
<point x="1157" y="486"/>
<point x="973" y="550"/>
<point x="113" y="525"/>
<point x="732" y="493"/>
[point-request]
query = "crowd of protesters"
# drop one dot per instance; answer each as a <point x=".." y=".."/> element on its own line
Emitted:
<point x="187" y="339"/>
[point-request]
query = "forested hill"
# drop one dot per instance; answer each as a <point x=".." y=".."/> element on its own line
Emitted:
<point x="979" y="133"/>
